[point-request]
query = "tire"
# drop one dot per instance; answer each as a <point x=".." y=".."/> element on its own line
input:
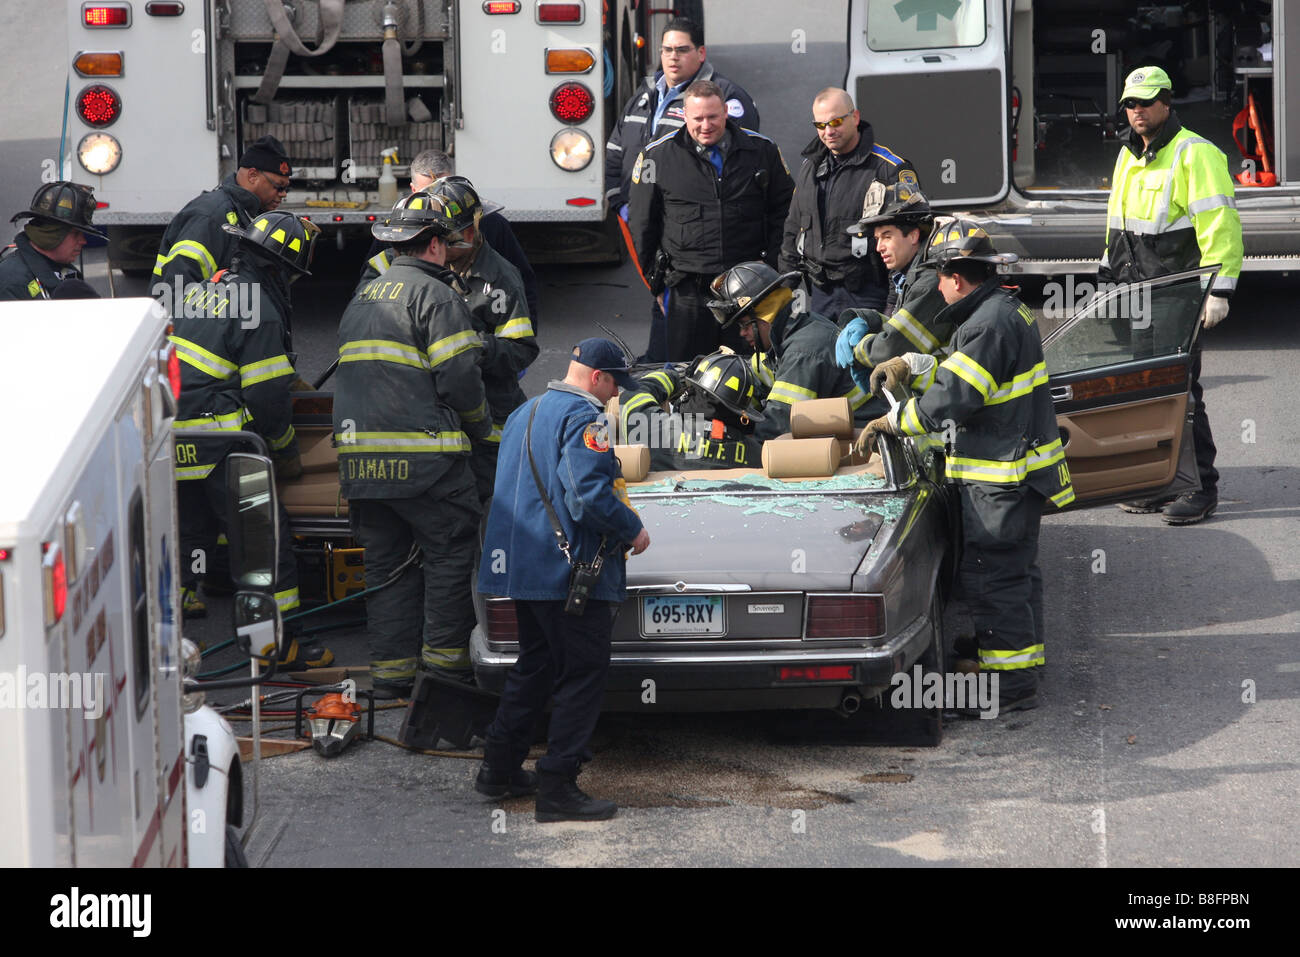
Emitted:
<point x="234" y="850"/>
<point x="929" y="722"/>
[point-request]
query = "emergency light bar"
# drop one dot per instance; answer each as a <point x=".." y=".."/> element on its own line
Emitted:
<point x="113" y="15"/>
<point x="548" y="12"/>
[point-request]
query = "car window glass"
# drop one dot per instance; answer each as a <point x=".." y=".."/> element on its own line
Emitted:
<point x="925" y="25"/>
<point x="1128" y="323"/>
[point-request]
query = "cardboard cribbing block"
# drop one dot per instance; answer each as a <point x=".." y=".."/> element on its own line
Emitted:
<point x="814" y="418"/>
<point x="635" y="460"/>
<point x="801" y="458"/>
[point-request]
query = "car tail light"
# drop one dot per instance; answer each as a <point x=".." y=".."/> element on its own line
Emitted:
<point x="54" y="576"/>
<point x="106" y="14"/>
<point x="99" y="105"/>
<point x="817" y="673"/>
<point x="502" y="620"/>
<point x="560" y="12"/>
<point x="502" y="6"/>
<point x="164" y="9"/>
<point x="572" y="103"/>
<point x="570" y="61"/>
<point x="845" y="616"/>
<point x="98" y="64"/>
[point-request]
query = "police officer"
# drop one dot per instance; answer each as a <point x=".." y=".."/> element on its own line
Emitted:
<point x="901" y="230"/>
<point x="563" y="656"/>
<point x="432" y="165"/>
<point x="495" y="297"/>
<point x="43" y="254"/>
<point x="408" y="402"/>
<point x="195" y="246"/>
<point x="704" y="198"/>
<point x="1006" y="452"/>
<point x="844" y="172"/>
<point x="793" y="349"/>
<point x="1193" y="222"/>
<point x="715" y="425"/>
<point x="232" y="340"/>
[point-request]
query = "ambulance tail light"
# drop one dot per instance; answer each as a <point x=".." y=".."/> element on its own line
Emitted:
<point x="502" y="621"/>
<point x="579" y="60"/>
<point x="99" y="105"/>
<point x="845" y="616"/>
<point x="98" y="64"/>
<point x="572" y="103"/>
<point x="99" y="15"/>
<point x="54" y="579"/>
<point x="548" y="12"/>
<point x="164" y="9"/>
<point x="492" y="7"/>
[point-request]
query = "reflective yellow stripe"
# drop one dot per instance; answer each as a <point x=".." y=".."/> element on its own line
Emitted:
<point x="994" y="660"/>
<point x="1045" y="455"/>
<point x="264" y="370"/>
<point x="191" y="473"/>
<point x="34" y="288"/>
<point x="288" y="599"/>
<point x="971" y="371"/>
<point x="380" y="262"/>
<point x="1022" y="384"/>
<point x="476" y="414"/>
<point x="195" y="355"/>
<point x="284" y="440"/>
<point x="988" y="470"/>
<point x="638" y="401"/>
<point x="909" y="422"/>
<point x="226" y="421"/>
<point x="662" y="378"/>
<point x="912" y="330"/>
<point x="789" y="393"/>
<point x="363" y="442"/>
<point x="191" y="249"/>
<point x="448" y="659"/>
<point x="857" y="398"/>
<point x="493" y="437"/>
<point x="1063" y="497"/>
<point x="452" y="346"/>
<point x="521" y="327"/>
<point x="862" y="351"/>
<point x="762" y="371"/>
<point x="394" y="669"/>
<point x="382" y="350"/>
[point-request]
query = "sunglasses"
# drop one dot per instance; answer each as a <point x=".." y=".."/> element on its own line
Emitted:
<point x="1133" y="102"/>
<point x="833" y="123"/>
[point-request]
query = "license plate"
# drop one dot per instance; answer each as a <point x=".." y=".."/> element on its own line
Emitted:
<point x="682" y="615"/>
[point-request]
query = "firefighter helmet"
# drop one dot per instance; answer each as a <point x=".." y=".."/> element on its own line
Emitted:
<point x="726" y="378"/>
<point x="415" y="216"/>
<point x="282" y="236"/>
<point x="485" y="205"/>
<point x="64" y="204"/>
<point x="903" y="206"/>
<point x="460" y="203"/>
<point x="741" y="288"/>
<point x="958" y="237"/>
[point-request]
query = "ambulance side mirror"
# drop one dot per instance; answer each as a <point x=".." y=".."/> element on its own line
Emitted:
<point x="253" y="530"/>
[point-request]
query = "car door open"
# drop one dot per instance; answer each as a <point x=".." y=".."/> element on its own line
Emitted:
<point x="1120" y="380"/>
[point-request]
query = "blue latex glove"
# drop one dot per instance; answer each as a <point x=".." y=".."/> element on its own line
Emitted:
<point x="849" y="337"/>
<point x="861" y="377"/>
<point x="623" y="212"/>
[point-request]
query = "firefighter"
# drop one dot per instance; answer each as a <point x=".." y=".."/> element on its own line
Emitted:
<point x="195" y="245"/>
<point x="495" y="296"/>
<point x="844" y="171"/>
<point x="991" y="395"/>
<point x="1172" y="208"/>
<point x="231" y="336"/>
<point x="794" y="350"/>
<point x="432" y="165"/>
<point x="704" y="197"/>
<point x="408" y="403"/>
<point x="915" y="323"/>
<point x="715" y="425"/>
<point x="43" y="254"/>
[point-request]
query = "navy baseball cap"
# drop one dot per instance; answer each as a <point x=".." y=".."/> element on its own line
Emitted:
<point x="607" y="357"/>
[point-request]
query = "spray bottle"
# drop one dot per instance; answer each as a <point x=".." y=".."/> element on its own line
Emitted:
<point x="387" y="181"/>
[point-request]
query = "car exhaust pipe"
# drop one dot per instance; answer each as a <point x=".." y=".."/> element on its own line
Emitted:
<point x="849" y="704"/>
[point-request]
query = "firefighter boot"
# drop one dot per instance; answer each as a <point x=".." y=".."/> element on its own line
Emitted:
<point x="965" y="655"/>
<point x="501" y="774"/>
<point x="560" y="799"/>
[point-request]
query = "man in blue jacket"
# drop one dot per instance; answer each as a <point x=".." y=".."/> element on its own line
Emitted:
<point x="560" y="653"/>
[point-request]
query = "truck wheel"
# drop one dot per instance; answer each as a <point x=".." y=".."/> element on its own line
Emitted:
<point x="234" y="850"/>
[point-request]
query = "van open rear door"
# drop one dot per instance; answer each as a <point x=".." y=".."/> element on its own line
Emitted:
<point x="931" y="78"/>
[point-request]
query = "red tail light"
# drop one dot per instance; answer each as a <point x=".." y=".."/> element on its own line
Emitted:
<point x="106" y="14"/>
<point x="845" y="616"/>
<point x="164" y="9"/>
<point x="501" y="6"/>
<point x="98" y="105"/>
<point x="572" y="103"/>
<point x="581" y="201"/>
<point x="817" y="673"/>
<point x="502" y="620"/>
<point x="560" y="12"/>
<point x="54" y="574"/>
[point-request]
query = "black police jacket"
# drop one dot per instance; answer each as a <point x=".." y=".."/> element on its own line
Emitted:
<point x="704" y="224"/>
<point x="633" y="130"/>
<point x="817" y="242"/>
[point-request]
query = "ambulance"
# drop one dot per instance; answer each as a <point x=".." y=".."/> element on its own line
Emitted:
<point x="111" y="757"/>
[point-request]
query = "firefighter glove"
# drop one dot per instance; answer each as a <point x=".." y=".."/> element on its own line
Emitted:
<point x="288" y="468"/>
<point x="866" y="443"/>
<point x="889" y="375"/>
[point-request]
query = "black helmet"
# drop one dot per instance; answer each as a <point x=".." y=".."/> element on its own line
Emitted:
<point x="726" y="378"/>
<point x="742" y="287"/>
<point x="281" y="236"/>
<point x="415" y="216"/>
<point x="902" y="206"/>
<point x="958" y="237"/>
<point x="64" y="204"/>
<point x="460" y="203"/>
<point x="486" y="205"/>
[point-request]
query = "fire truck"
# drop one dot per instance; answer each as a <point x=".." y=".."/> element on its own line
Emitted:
<point x="164" y="96"/>
<point x="112" y="757"/>
<point x="1010" y="108"/>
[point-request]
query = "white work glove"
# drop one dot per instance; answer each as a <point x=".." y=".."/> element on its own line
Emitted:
<point x="1216" y="310"/>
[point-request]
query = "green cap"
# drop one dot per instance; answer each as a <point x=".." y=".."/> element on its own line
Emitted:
<point x="1145" y="82"/>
